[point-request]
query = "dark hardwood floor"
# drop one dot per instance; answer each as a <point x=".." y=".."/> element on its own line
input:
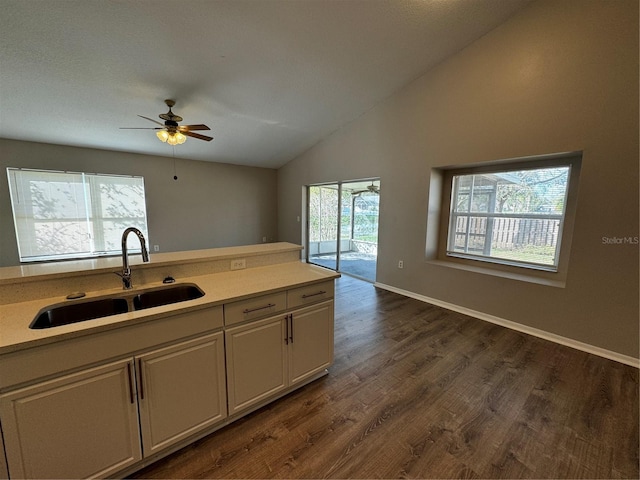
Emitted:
<point x="418" y="391"/>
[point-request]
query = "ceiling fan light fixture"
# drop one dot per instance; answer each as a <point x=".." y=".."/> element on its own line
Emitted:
<point x="172" y="138"/>
<point x="180" y="138"/>
<point x="163" y="135"/>
<point x="176" y="138"/>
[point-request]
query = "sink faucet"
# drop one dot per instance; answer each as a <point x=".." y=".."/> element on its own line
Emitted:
<point x="126" y="270"/>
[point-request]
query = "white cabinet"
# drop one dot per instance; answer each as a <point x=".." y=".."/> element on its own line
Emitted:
<point x="104" y="404"/>
<point x="267" y="356"/>
<point x="256" y="362"/>
<point x="76" y="426"/>
<point x="98" y="421"/>
<point x="181" y="390"/>
<point x="311" y="344"/>
<point x="4" y="471"/>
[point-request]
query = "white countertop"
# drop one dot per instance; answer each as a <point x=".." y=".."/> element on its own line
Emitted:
<point x="219" y="288"/>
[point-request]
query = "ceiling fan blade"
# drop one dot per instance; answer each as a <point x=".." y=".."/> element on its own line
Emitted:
<point x="197" y="135"/>
<point x="141" y="128"/>
<point x="200" y="126"/>
<point x="151" y="120"/>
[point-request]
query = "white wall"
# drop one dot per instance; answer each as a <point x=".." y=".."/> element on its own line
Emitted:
<point x="562" y="75"/>
<point x="210" y="205"/>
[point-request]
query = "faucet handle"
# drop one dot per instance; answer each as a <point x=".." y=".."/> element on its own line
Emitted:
<point x="125" y="273"/>
<point x="126" y="278"/>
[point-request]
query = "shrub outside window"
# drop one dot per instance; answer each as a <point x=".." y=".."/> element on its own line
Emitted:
<point x="511" y="216"/>
<point x="64" y="215"/>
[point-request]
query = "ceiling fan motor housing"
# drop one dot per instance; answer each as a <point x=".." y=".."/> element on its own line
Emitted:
<point x="172" y="126"/>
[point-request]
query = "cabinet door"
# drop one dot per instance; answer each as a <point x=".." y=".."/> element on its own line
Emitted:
<point x="311" y="350"/>
<point x="77" y="426"/>
<point x="4" y="472"/>
<point x="256" y="362"/>
<point x="181" y="390"/>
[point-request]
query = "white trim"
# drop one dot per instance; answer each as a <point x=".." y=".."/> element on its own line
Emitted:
<point x="552" y="337"/>
<point x="484" y="270"/>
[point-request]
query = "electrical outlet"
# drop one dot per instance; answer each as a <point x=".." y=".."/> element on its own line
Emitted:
<point x="156" y="248"/>
<point x="264" y="239"/>
<point x="400" y="264"/>
<point x="238" y="264"/>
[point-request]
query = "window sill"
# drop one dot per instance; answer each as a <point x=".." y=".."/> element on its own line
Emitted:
<point x="503" y="261"/>
<point x="522" y="277"/>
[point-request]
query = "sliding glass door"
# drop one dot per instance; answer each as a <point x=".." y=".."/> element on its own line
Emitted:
<point x="322" y="236"/>
<point x="342" y="226"/>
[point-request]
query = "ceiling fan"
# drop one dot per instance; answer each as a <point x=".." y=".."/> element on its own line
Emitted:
<point x="370" y="189"/>
<point x="169" y="131"/>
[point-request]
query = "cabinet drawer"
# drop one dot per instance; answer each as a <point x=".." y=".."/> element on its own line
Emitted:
<point x="309" y="294"/>
<point x="256" y="307"/>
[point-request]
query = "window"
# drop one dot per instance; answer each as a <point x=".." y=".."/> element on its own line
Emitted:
<point x="62" y="215"/>
<point x="509" y="214"/>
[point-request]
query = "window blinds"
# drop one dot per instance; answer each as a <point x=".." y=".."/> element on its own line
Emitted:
<point x="62" y="215"/>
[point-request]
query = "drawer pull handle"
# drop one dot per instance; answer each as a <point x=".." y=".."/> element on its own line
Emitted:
<point x="286" y="335"/>
<point x="321" y="292"/>
<point x="141" y="380"/>
<point x="251" y="310"/>
<point x="291" y="333"/>
<point x="131" y="398"/>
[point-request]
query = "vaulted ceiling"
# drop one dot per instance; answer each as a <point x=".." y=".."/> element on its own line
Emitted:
<point x="270" y="77"/>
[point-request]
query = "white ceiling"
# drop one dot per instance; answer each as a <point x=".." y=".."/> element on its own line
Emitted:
<point x="270" y="77"/>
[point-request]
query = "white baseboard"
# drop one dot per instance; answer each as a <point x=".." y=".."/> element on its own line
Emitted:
<point x="585" y="347"/>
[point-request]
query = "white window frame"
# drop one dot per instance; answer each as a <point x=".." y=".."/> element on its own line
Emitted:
<point x="89" y="221"/>
<point x="442" y="182"/>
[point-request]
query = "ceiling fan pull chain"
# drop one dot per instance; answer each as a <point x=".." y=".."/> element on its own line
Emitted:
<point x="175" y="176"/>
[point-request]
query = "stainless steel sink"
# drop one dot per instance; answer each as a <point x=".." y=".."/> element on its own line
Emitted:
<point x="73" y="312"/>
<point x="166" y="295"/>
<point x="90" y="309"/>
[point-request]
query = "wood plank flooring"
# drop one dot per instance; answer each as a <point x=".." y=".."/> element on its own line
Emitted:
<point x="418" y="391"/>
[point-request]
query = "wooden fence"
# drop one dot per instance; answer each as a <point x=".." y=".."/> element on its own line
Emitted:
<point x="510" y="233"/>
